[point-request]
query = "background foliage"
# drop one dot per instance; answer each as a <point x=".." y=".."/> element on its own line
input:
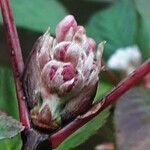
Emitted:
<point x="119" y="22"/>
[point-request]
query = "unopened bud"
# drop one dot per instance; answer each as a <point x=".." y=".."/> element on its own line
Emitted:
<point x="63" y="73"/>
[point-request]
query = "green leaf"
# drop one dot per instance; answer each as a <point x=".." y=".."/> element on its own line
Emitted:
<point x="144" y="26"/>
<point x="82" y="134"/>
<point x="38" y="15"/>
<point x="8" y="104"/>
<point x="100" y="0"/>
<point x="8" y="100"/>
<point x="9" y="127"/>
<point x="132" y="115"/>
<point x="102" y="88"/>
<point x="117" y="25"/>
<point x="11" y="144"/>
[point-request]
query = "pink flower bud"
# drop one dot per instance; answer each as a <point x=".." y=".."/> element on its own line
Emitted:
<point x="60" y="50"/>
<point x="91" y="44"/>
<point x="80" y="35"/>
<point x="73" y="54"/>
<point x="68" y="24"/>
<point x="68" y="72"/>
<point x="43" y="54"/>
<point x="68" y="69"/>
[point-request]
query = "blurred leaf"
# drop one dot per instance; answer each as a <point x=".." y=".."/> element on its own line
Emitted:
<point x="9" y="127"/>
<point x="38" y="15"/>
<point x="117" y="25"/>
<point x="132" y="117"/>
<point x="144" y="26"/>
<point x="82" y="134"/>
<point x="100" y="0"/>
<point x="8" y="104"/>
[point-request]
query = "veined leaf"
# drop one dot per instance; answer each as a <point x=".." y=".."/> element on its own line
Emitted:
<point x="9" y="127"/>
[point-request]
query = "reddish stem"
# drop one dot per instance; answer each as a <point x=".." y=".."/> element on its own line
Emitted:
<point x="111" y="97"/>
<point x="16" y="58"/>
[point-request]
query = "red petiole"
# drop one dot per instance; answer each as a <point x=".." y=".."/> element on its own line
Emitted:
<point x="16" y="58"/>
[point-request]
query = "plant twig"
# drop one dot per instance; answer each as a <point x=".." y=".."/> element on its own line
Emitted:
<point x="58" y="137"/>
<point x="16" y="58"/>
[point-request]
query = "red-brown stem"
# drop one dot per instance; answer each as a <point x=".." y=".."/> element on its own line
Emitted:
<point x="110" y="98"/>
<point x="16" y="58"/>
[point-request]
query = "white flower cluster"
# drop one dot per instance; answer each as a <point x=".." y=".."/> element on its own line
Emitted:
<point x="125" y="59"/>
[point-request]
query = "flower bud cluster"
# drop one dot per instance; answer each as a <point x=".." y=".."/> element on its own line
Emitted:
<point x="67" y="64"/>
